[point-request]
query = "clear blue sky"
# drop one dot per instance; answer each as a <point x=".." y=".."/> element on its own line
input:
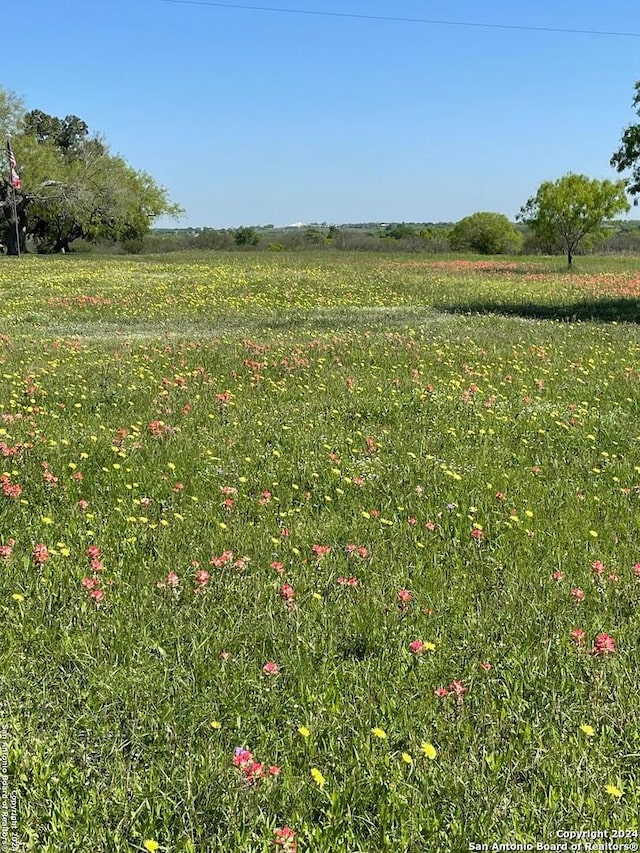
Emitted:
<point x="253" y="117"/>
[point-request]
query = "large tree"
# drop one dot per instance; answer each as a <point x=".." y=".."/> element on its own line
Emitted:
<point x="565" y="211"/>
<point x="486" y="233"/>
<point x="73" y="187"/>
<point x="628" y="154"/>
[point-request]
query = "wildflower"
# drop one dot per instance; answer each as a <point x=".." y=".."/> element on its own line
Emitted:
<point x="17" y="596"/>
<point x="97" y="595"/>
<point x="348" y="581"/>
<point x="317" y="777"/>
<point x="5" y="552"/>
<point x="588" y="730"/>
<point x="271" y="668"/>
<point x="150" y="845"/>
<point x="636" y="569"/>
<point x="320" y="551"/>
<point x="278" y="567"/>
<point x="407" y="758"/>
<point x="597" y="567"/>
<point x="441" y="692"/>
<point x="577" y="594"/>
<point x="404" y="596"/>
<point x="416" y="647"/>
<point x="93" y="552"/>
<point x="458" y="688"/>
<point x="578" y="636"/>
<point x="477" y="533"/>
<point x="380" y="733"/>
<point x="486" y="666"/>
<point x="216" y="725"/>
<point x="429" y="750"/>
<point x="287" y="592"/>
<point x="286" y="838"/>
<point x="40" y="553"/>
<point x="202" y="577"/>
<point x="603" y="645"/>
<point x="613" y="791"/>
<point x="557" y="576"/>
<point x="274" y="770"/>
<point x="303" y="731"/>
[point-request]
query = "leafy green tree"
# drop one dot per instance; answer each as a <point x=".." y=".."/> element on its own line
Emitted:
<point x="628" y="154"/>
<point x="398" y="231"/>
<point x="73" y="187"/>
<point x="566" y="211"/>
<point x="486" y="233"/>
<point x="246" y="236"/>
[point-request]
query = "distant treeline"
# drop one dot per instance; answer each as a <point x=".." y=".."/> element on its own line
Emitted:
<point x="620" y="237"/>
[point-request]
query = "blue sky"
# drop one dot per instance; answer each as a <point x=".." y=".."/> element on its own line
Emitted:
<point x="252" y="117"/>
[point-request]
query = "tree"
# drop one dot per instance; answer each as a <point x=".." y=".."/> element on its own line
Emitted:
<point x="565" y="211"/>
<point x="486" y="233"/>
<point x="628" y="155"/>
<point x="73" y="187"/>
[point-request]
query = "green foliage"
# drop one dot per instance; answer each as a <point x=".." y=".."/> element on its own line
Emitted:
<point x="73" y="188"/>
<point x="246" y="236"/>
<point x="487" y="234"/>
<point x="628" y="154"/>
<point x="313" y="236"/>
<point x="565" y="211"/>
<point x="398" y="231"/>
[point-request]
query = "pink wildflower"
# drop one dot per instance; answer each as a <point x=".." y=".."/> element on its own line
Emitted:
<point x="603" y="645"/>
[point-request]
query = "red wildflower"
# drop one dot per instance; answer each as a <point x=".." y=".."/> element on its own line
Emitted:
<point x="271" y="668"/>
<point x="603" y="645"/>
<point x="348" y="581"/>
<point x="40" y="553"/>
<point x="416" y="647"/>
<point x="486" y="666"/>
<point x="320" y="551"/>
<point x="477" y="534"/>
<point x="597" y="567"/>
<point x="557" y="576"/>
<point x="578" y="594"/>
<point x="578" y="636"/>
<point x="287" y="592"/>
<point x="404" y="596"/>
<point x="286" y="838"/>
<point x="441" y="692"/>
<point x="458" y="688"/>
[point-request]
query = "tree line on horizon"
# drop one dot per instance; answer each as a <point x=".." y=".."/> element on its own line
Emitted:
<point x="73" y="190"/>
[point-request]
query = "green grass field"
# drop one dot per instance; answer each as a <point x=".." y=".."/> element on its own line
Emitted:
<point x="335" y="554"/>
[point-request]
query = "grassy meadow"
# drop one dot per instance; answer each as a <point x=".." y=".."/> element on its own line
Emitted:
<point x="326" y="554"/>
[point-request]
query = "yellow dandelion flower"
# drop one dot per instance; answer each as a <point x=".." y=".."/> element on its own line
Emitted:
<point x="150" y="845"/>
<point x="377" y="732"/>
<point x="429" y="750"/>
<point x="407" y="758"/>
<point x="613" y="791"/>
<point x="17" y="596"/>
<point x="304" y="731"/>
<point x="317" y="777"/>
<point x="215" y="724"/>
<point x="588" y="730"/>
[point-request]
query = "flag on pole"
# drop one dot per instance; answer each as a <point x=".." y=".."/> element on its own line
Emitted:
<point x="13" y="168"/>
